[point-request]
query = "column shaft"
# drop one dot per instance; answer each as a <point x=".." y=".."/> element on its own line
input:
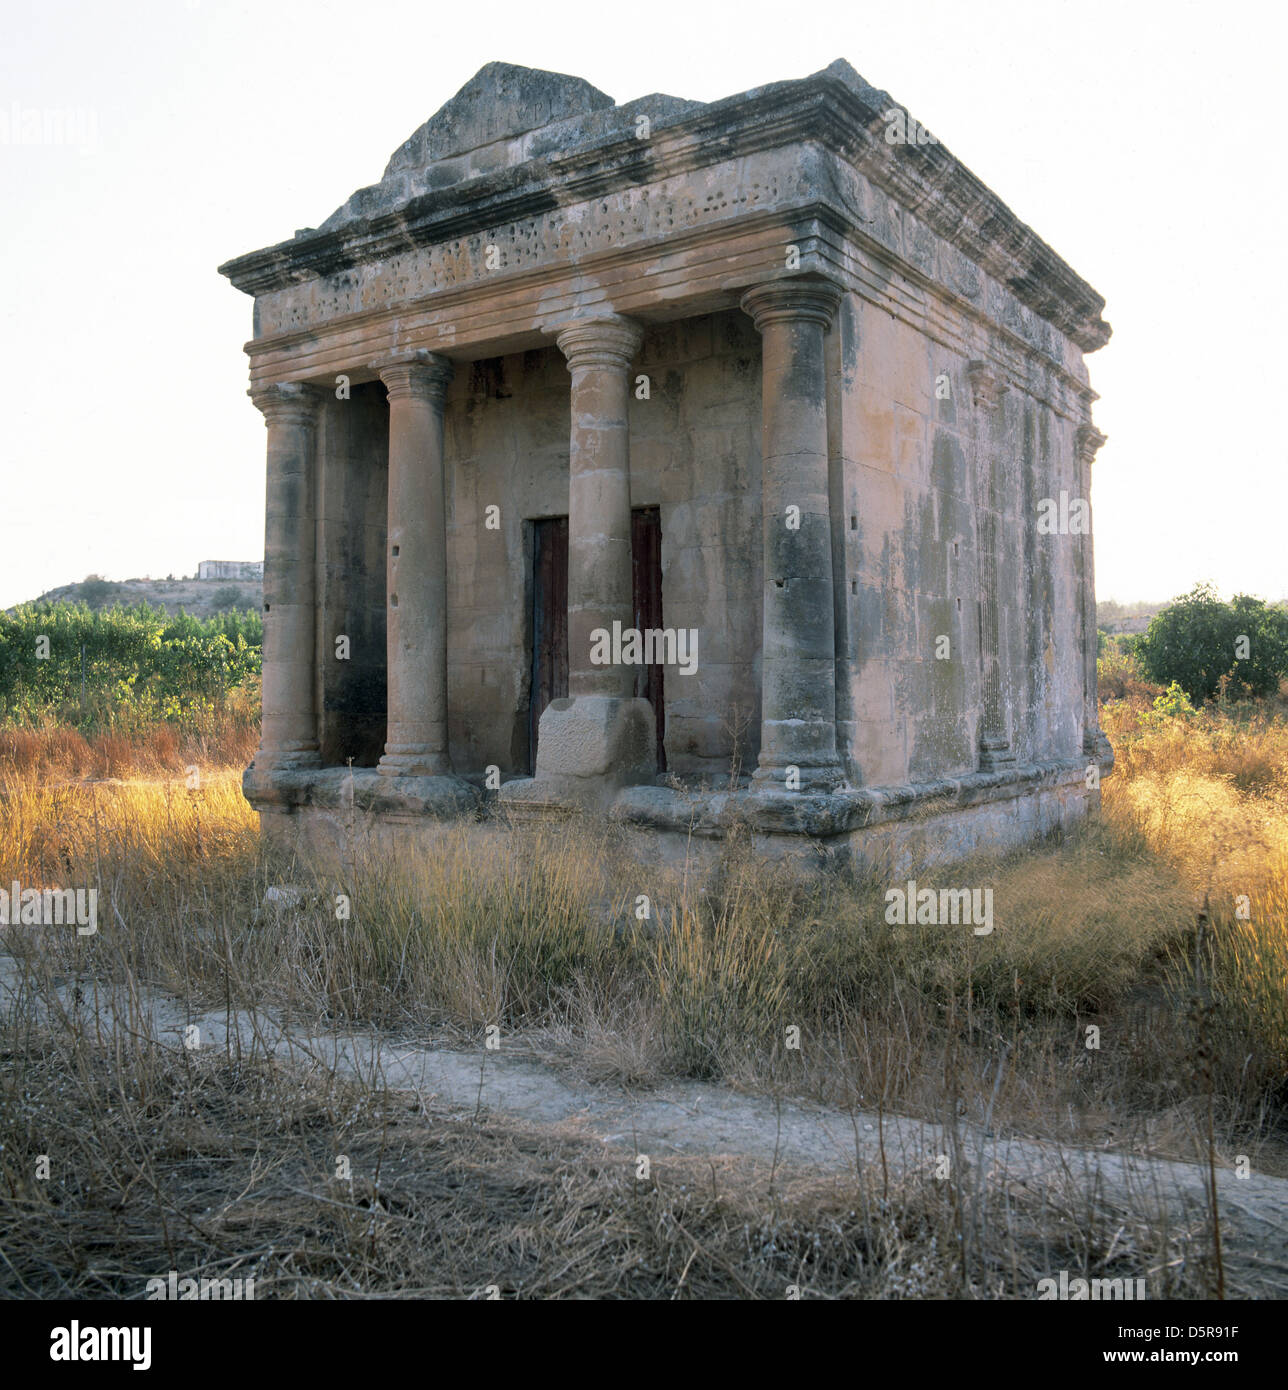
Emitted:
<point x="288" y="734"/>
<point x="599" y="353"/>
<point x="798" y="652"/>
<point x="416" y="568"/>
<point x="601" y="737"/>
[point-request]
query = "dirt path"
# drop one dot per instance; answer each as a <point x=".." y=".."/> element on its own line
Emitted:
<point x="690" y="1117"/>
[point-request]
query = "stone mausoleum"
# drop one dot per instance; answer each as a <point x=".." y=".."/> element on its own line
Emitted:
<point x="699" y="463"/>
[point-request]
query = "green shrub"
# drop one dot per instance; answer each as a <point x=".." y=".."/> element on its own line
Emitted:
<point x="1199" y="639"/>
<point x="95" y="591"/>
<point x="121" y="666"/>
<point x="229" y="596"/>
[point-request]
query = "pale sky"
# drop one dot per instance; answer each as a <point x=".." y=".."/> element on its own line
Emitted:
<point x="1141" y="138"/>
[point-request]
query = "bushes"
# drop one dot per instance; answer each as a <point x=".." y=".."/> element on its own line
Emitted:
<point x="95" y="591"/>
<point x="1119" y="676"/>
<point x="121" y="668"/>
<point x="229" y="596"/>
<point x="1199" y="639"/>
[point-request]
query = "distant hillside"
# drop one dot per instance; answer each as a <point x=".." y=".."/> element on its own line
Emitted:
<point x="200" y="597"/>
<point x="1115" y="617"/>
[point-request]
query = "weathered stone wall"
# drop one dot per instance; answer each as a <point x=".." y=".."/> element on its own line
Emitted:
<point x="695" y="454"/>
<point x="910" y="473"/>
<point x="911" y="480"/>
<point x="909" y="552"/>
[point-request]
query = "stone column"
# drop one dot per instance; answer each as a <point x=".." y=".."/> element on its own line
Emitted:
<point x="602" y="736"/>
<point x="416" y="568"/>
<point x="599" y="352"/>
<point x="798" y="651"/>
<point x="289" y="734"/>
<point x="987" y="389"/>
<point x="1087" y="443"/>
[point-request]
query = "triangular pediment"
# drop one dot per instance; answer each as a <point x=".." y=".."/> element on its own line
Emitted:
<point x="500" y="101"/>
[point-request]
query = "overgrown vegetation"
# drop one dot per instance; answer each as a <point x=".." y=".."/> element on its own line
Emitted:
<point x="1200" y="642"/>
<point x="1164" y="925"/>
<point x="124" y="670"/>
<point x="1206" y="790"/>
<point x="537" y="931"/>
<point x="222" y="1167"/>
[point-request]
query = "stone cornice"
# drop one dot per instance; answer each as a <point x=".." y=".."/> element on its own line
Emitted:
<point x="705" y="270"/>
<point x="824" y="109"/>
<point x="487" y="318"/>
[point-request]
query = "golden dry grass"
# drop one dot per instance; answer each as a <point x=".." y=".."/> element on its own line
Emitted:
<point x="1207" y="794"/>
<point x="535" y="931"/>
<point x="222" y="738"/>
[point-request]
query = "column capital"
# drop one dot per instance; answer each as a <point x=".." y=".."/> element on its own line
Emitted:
<point x="286" y="400"/>
<point x="1087" y="441"/>
<point x="809" y="299"/>
<point x="416" y="374"/>
<point x="986" y="386"/>
<point x="601" y="340"/>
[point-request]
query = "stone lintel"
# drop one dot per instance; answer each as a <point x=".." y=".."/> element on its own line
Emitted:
<point x="676" y="278"/>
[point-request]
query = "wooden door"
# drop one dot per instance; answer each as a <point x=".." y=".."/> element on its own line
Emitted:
<point x="646" y="583"/>
<point x="549" y="621"/>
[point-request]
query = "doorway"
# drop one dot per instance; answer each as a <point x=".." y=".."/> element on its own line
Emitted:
<point x="646" y="601"/>
<point x="549" y="663"/>
<point x="549" y="622"/>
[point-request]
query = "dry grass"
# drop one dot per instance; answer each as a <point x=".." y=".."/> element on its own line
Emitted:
<point x="217" y="738"/>
<point x="535" y="931"/>
<point x="227" y="1168"/>
<point x="1208" y="794"/>
<point x="512" y="930"/>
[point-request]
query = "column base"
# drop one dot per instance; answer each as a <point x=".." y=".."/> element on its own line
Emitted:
<point x="590" y="746"/>
<point x="818" y="777"/>
<point x="286" y="759"/>
<point x="995" y="753"/>
<point x="1096" y="745"/>
<point x="414" y="762"/>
